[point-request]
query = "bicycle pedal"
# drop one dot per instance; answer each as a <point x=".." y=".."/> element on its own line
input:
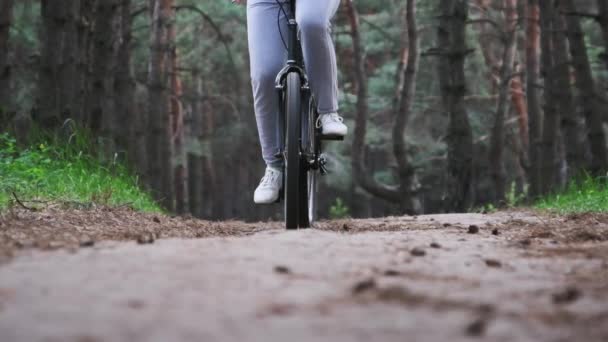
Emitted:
<point x="322" y="169"/>
<point x="332" y="137"/>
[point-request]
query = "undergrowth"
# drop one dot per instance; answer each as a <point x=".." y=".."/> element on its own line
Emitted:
<point x="589" y="195"/>
<point x="52" y="171"/>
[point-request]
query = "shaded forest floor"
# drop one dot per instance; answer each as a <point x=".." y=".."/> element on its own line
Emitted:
<point x="119" y="275"/>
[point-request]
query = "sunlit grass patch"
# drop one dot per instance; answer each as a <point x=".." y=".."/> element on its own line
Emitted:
<point x="65" y="172"/>
<point x="589" y="195"/>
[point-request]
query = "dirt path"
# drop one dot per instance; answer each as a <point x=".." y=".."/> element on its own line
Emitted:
<point x="500" y="277"/>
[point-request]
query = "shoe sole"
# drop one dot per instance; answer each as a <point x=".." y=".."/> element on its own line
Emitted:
<point x="332" y="137"/>
<point x="278" y="200"/>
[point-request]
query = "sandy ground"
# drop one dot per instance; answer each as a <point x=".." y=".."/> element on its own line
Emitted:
<point x="83" y="276"/>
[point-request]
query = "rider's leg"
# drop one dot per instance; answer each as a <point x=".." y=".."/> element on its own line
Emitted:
<point x="313" y="17"/>
<point x="267" y="57"/>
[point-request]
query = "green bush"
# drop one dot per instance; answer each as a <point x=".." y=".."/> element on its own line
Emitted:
<point x="588" y="195"/>
<point x="65" y="172"/>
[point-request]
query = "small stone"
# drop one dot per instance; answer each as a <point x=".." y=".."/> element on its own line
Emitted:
<point x="282" y="270"/>
<point x="24" y="244"/>
<point x="392" y="273"/>
<point x="364" y="286"/>
<point x="49" y="245"/>
<point x="568" y="295"/>
<point x="495" y="231"/>
<point x="473" y="229"/>
<point x="447" y="225"/>
<point x="525" y="243"/>
<point x="345" y="227"/>
<point x="145" y="239"/>
<point x="486" y="309"/>
<point x="476" y="328"/>
<point x="431" y="219"/>
<point x="435" y="245"/>
<point x="418" y="252"/>
<point x="86" y="241"/>
<point x="493" y="263"/>
<point x="156" y="219"/>
<point x="135" y="304"/>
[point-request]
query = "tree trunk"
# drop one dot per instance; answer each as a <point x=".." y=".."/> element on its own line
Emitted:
<point x="409" y="202"/>
<point x="363" y="177"/>
<point x="551" y="117"/>
<point x="590" y="102"/>
<point x="498" y="132"/>
<point x="60" y="77"/>
<point x="195" y="156"/>
<point x="49" y="111"/>
<point x="160" y="175"/>
<point x="489" y="48"/>
<point x="68" y="74"/>
<point x="405" y="193"/>
<point x="603" y="20"/>
<point x="6" y="11"/>
<point x="177" y="131"/>
<point x="209" y="174"/>
<point x="518" y="101"/>
<point x="570" y="123"/>
<point x="124" y="86"/>
<point x="84" y="32"/>
<point x="534" y="107"/>
<point x="100" y="103"/>
<point x="451" y="36"/>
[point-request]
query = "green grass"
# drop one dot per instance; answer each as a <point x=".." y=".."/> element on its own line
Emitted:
<point x="589" y="195"/>
<point x="65" y="172"/>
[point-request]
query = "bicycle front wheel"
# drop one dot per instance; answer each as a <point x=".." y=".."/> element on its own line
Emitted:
<point x="311" y="147"/>
<point x="293" y="160"/>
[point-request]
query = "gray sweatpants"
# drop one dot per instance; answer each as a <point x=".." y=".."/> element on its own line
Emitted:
<point x="268" y="56"/>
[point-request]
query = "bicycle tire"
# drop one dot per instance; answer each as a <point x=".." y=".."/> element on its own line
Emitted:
<point x="311" y="145"/>
<point x="293" y="162"/>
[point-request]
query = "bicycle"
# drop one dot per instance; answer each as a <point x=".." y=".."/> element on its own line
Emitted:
<point x="301" y="140"/>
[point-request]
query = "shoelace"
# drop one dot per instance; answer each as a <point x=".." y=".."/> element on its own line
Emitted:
<point x="333" y="117"/>
<point x="269" y="178"/>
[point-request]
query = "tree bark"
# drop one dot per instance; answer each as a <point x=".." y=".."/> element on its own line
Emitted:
<point x="124" y="86"/>
<point x="195" y="155"/>
<point x="49" y="111"/>
<point x="603" y="20"/>
<point x="551" y="116"/>
<point x="6" y="12"/>
<point x="179" y="163"/>
<point x="570" y="121"/>
<point x="490" y="50"/>
<point x="590" y="102"/>
<point x="534" y="107"/>
<point x="68" y="74"/>
<point x="160" y="175"/>
<point x="84" y="31"/>
<point x="498" y="135"/>
<point x="406" y="89"/>
<point x="100" y="103"/>
<point x="451" y="36"/>
<point x="362" y="176"/>
<point x="60" y="76"/>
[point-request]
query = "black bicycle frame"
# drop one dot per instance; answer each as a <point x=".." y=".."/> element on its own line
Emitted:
<point x="293" y="46"/>
<point x="295" y="63"/>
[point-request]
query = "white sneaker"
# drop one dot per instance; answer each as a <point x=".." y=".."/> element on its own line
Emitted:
<point x="332" y="124"/>
<point x="269" y="188"/>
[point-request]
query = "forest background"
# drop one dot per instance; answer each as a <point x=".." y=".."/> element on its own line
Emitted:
<point x="452" y="105"/>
